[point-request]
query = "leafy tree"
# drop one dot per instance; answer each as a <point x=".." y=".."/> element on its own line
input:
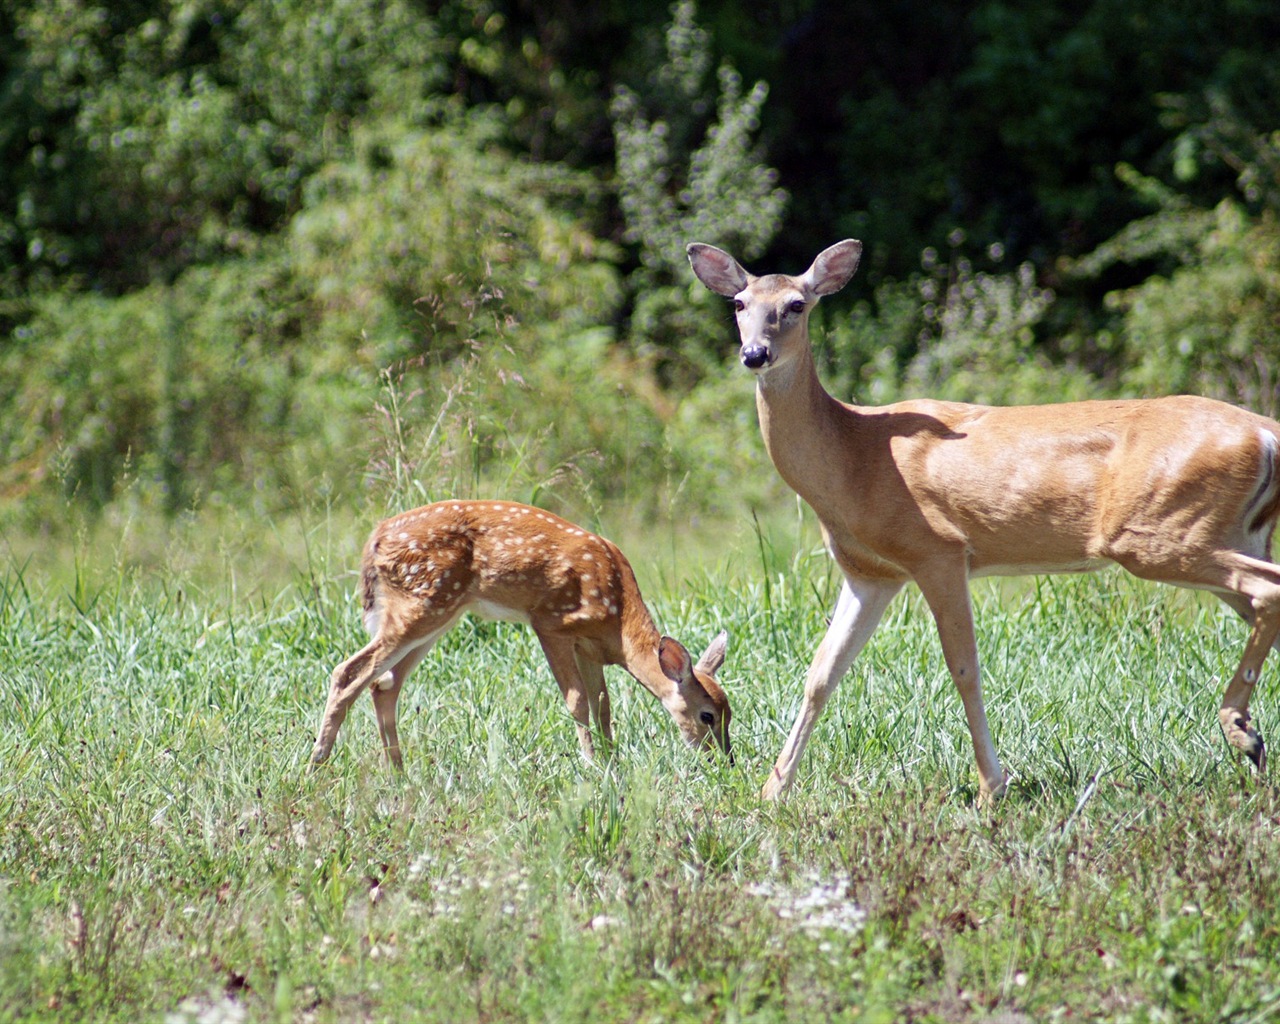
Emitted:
<point x="1208" y="319"/>
<point x="685" y="174"/>
<point x="149" y="135"/>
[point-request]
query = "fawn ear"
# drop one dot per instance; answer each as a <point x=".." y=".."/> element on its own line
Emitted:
<point x="716" y="269"/>
<point x="833" y="267"/>
<point x="713" y="657"/>
<point x="674" y="660"/>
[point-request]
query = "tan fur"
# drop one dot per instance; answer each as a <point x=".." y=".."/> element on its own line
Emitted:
<point x="1183" y="490"/>
<point x="422" y="569"/>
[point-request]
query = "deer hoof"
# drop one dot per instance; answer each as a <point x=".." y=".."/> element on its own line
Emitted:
<point x="1241" y="734"/>
<point x="774" y="787"/>
<point x="989" y="797"/>
<point x="1258" y="753"/>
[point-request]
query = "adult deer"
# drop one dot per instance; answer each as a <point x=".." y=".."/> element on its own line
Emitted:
<point x="1181" y="490"/>
<point x="423" y="568"/>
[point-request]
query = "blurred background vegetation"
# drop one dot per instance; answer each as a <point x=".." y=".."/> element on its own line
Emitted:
<point x="261" y="258"/>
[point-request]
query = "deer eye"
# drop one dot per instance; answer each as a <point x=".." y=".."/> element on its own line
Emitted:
<point x="796" y="307"/>
<point x="707" y="718"/>
<point x="739" y="305"/>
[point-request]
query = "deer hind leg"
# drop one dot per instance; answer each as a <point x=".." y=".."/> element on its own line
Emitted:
<point x="376" y="664"/>
<point x="948" y="600"/>
<point x="386" y="692"/>
<point x="1251" y="586"/>
<point x="592" y="673"/>
<point x="858" y="611"/>
<point x="347" y="683"/>
<point x="1257" y="584"/>
<point x="564" y="666"/>
<point x="1244" y="608"/>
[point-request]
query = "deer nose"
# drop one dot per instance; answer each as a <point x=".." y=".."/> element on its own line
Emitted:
<point x="755" y="356"/>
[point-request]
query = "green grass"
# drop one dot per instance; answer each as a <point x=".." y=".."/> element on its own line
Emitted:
<point x="165" y="856"/>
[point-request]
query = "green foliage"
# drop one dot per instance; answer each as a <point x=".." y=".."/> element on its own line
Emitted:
<point x="162" y="133"/>
<point x="260" y="375"/>
<point x="227" y="228"/>
<point x="191" y="387"/>
<point x="1208" y="322"/>
<point x="978" y="340"/>
<point x="426" y="239"/>
<point x="1212" y="327"/>
<point x="673" y="188"/>
<point x="166" y="856"/>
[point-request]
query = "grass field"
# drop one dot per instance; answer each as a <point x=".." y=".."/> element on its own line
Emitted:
<point x="164" y="855"/>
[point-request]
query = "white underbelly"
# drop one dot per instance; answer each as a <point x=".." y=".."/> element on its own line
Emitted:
<point x="489" y="610"/>
<point x="1048" y="569"/>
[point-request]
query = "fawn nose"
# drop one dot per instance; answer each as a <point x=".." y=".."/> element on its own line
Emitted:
<point x="755" y="356"/>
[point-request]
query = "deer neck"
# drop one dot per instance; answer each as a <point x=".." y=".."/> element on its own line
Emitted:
<point x="640" y="640"/>
<point x="801" y="423"/>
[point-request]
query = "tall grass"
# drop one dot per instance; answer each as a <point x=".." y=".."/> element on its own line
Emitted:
<point x="165" y="856"/>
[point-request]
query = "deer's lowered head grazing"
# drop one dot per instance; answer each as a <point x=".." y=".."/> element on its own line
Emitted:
<point x="1180" y="490"/>
<point x="423" y="569"/>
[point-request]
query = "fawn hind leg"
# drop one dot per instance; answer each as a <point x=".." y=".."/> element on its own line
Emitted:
<point x="346" y="684"/>
<point x="371" y="665"/>
<point x="386" y="692"/>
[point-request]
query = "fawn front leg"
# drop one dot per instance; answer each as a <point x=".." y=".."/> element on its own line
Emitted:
<point x="592" y="673"/>
<point x="564" y="666"/>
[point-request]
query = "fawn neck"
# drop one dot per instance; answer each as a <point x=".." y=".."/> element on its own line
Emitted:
<point x="640" y="640"/>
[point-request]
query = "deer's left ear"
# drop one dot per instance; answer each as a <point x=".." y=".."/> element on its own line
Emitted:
<point x="833" y="267"/>
<point x="674" y="660"/>
<point x="713" y="657"/>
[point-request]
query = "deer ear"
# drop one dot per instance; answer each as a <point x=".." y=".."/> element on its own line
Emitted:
<point x="833" y="267"/>
<point x="674" y="660"/>
<point x="713" y="657"/>
<point x="716" y="269"/>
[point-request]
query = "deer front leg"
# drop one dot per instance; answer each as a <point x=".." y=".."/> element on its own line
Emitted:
<point x="858" y="611"/>
<point x="592" y="673"/>
<point x="564" y="666"/>
<point x="948" y="599"/>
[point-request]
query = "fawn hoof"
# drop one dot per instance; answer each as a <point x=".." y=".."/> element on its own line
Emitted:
<point x="1238" y="725"/>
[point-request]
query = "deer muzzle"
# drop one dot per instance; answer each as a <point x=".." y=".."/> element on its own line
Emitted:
<point x="755" y="357"/>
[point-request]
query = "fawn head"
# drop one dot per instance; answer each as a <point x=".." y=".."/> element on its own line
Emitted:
<point x="697" y="703"/>
<point x="773" y="310"/>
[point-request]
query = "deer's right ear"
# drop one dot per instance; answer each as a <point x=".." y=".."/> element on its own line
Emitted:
<point x="713" y="657"/>
<point x="833" y="267"/>
<point x="716" y="269"/>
